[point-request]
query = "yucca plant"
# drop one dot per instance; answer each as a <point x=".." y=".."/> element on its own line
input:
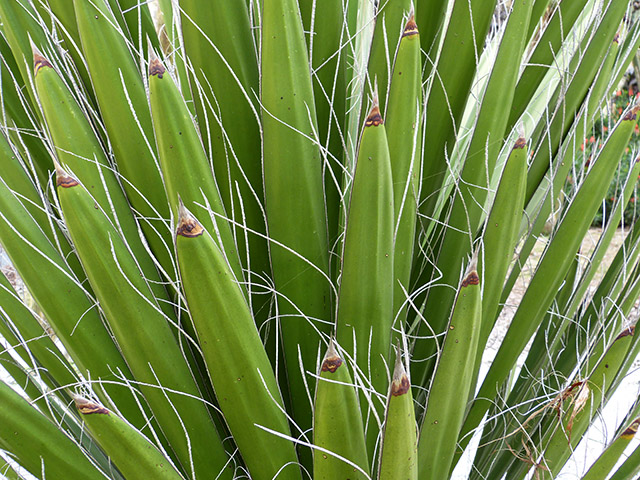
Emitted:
<point x="271" y="239"/>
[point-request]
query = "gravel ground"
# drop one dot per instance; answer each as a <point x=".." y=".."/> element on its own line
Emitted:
<point x="588" y="245"/>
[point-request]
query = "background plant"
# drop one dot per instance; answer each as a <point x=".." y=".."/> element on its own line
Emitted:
<point x="620" y="100"/>
<point x="273" y="240"/>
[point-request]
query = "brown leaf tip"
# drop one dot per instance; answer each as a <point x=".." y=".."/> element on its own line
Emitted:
<point x="63" y="179"/>
<point x="411" y="28"/>
<point x="332" y="360"/>
<point x="331" y="363"/>
<point x="626" y="332"/>
<point x="188" y="225"/>
<point x="471" y="279"/>
<point x="400" y="386"/>
<point x="87" y="407"/>
<point x="520" y="143"/>
<point x="375" y="118"/>
<point x="631" y="430"/>
<point x="616" y="38"/>
<point x="631" y="114"/>
<point x="471" y="273"/>
<point x="39" y="61"/>
<point x="156" y="68"/>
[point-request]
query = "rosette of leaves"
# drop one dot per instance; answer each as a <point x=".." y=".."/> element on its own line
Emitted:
<point x="271" y="239"/>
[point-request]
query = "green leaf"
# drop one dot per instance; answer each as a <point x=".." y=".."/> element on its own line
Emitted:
<point x="39" y="445"/>
<point x="447" y="399"/>
<point x="337" y="426"/>
<point x="242" y="377"/>
<point x="294" y="197"/>
<point x="150" y="349"/>
<point x="132" y="453"/>
<point x="399" y="458"/>
<point x="365" y="302"/>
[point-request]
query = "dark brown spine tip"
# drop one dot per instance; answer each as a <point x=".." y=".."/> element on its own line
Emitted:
<point x="331" y="363"/>
<point x="64" y="180"/>
<point x="87" y="407"/>
<point x="189" y="227"/>
<point x="631" y="430"/>
<point x="520" y="143"/>
<point x="626" y="332"/>
<point x="39" y="61"/>
<point x="400" y="386"/>
<point x="374" y="119"/>
<point x="156" y="68"/>
<point x="616" y="38"/>
<point x="471" y="279"/>
<point x="631" y="114"/>
<point x="411" y="28"/>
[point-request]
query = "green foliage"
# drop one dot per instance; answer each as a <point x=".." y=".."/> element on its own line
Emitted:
<point x="229" y="230"/>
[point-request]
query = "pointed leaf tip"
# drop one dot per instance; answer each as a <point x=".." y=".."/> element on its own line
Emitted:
<point x="411" y="28"/>
<point x="471" y="276"/>
<point x="626" y="332"/>
<point x="332" y="360"/>
<point x="375" y="118"/>
<point x="631" y="430"/>
<point x="521" y="142"/>
<point x="63" y="179"/>
<point x="188" y="225"/>
<point x="155" y="66"/>
<point x="471" y="279"/>
<point x="38" y="60"/>
<point x="400" y="382"/>
<point x="87" y="407"/>
<point x="631" y="114"/>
